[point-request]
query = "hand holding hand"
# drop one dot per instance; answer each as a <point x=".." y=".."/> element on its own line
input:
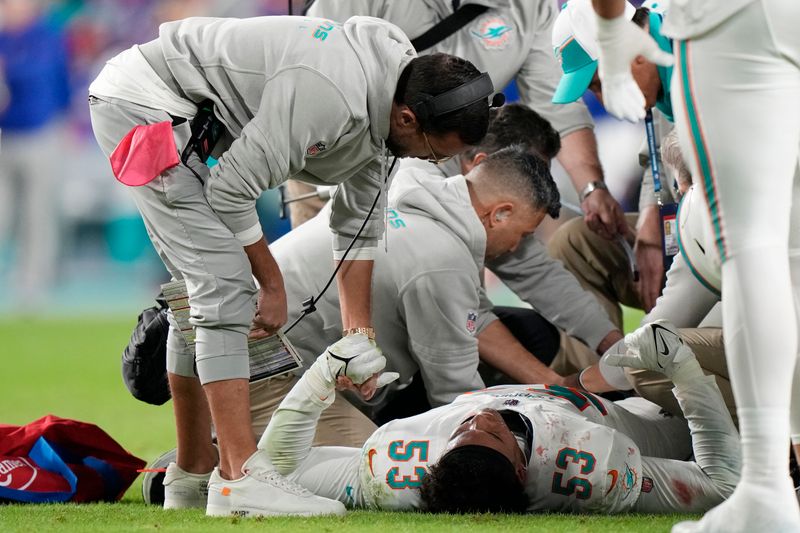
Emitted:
<point x="359" y="359"/>
<point x="656" y="346"/>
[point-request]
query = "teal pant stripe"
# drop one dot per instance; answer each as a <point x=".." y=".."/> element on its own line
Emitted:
<point x="702" y="152"/>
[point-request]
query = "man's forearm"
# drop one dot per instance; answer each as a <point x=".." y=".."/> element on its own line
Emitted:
<point x="579" y="158"/>
<point x="578" y="155"/>
<point x="355" y="293"/>
<point x="265" y="269"/>
<point x="498" y="347"/>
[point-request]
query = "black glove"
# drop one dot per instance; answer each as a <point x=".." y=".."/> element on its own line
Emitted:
<point x="144" y="361"/>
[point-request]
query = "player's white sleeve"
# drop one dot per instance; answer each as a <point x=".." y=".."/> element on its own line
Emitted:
<point x="332" y="472"/>
<point x="684" y="486"/>
<point x="329" y="471"/>
<point x="291" y="429"/>
<point x="655" y="432"/>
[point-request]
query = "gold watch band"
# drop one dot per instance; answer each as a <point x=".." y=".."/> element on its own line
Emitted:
<point x="369" y="332"/>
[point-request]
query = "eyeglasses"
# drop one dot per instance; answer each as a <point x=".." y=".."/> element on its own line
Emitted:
<point x="435" y="159"/>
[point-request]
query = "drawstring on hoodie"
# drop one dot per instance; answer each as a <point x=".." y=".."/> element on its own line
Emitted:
<point x="310" y="303"/>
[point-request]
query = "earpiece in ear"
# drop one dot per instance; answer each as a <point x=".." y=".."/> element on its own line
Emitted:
<point x="501" y="215"/>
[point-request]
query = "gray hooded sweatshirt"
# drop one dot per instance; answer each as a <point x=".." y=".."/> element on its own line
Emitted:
<point x="303" y="98"/>
<point x="425" y="289"/>
<point x="537" y="279"/>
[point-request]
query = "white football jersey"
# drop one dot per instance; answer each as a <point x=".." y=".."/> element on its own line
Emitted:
<point x="577" y="462"/>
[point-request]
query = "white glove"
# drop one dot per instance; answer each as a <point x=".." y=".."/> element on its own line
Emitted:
<point x="358" y="358"/>
<point x="658" y="347"/>
<point x="613" y="374"/>
<point x="620" y="42"/>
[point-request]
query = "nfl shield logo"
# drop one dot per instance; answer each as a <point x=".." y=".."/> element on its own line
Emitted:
<point x="472" y="318"/>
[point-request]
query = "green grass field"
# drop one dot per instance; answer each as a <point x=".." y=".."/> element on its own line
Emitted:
<point x="71" y="368"/>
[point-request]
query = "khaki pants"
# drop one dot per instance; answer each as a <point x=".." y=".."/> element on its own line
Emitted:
<point x="303" y="210"/>
<point x="601" y="266"/>
<point x="341" y="424"/>
<point x="707" y="345"/>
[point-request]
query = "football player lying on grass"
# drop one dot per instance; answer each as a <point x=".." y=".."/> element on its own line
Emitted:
<point x="520" y="448"/>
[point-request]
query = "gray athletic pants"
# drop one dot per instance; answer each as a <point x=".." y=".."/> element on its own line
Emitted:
<point x="195" y="246"/>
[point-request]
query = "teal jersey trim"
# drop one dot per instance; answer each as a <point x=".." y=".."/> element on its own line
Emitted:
<point x="664" y="101"/>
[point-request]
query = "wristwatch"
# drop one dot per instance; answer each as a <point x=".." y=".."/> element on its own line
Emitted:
<point x="590" y="187"/>
<point x="369" y="332"/>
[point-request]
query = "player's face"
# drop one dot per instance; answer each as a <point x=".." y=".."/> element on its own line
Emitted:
<point x="487" y="428"/>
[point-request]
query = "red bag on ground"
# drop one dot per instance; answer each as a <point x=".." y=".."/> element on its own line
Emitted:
<point x="56" y="459"/>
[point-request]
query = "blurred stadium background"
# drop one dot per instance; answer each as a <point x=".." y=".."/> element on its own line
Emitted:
<point x="79" y="247"/>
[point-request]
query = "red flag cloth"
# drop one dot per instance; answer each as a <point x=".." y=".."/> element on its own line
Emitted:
<point x="103" y="468"/>
<point x="144" y="153"/>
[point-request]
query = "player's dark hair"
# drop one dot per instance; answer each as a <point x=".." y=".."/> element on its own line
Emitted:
<point x="433" y="75"/>
<point x="519" y="124"/>
<point x="473" y="479"/>
<point x="527" y="175"/>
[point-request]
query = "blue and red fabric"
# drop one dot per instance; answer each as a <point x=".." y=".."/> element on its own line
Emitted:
<point x="56" y="460"/>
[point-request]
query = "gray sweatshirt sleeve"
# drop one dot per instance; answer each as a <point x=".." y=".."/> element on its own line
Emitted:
<point x="485" y="313"/>
<point x="538" y="77"/>
<point x="436" y="306"/>
<point x="553" y="291"/>
<point x="298" y="109"/>
<point x="351" y="202"/>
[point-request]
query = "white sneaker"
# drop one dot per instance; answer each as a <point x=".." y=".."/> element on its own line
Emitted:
<point x="184" y="490"/>
<point x="153" y="480"/>
<point x="262" y="491"/>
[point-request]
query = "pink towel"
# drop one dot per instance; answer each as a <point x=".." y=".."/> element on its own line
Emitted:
<point x="144" y="153"/>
